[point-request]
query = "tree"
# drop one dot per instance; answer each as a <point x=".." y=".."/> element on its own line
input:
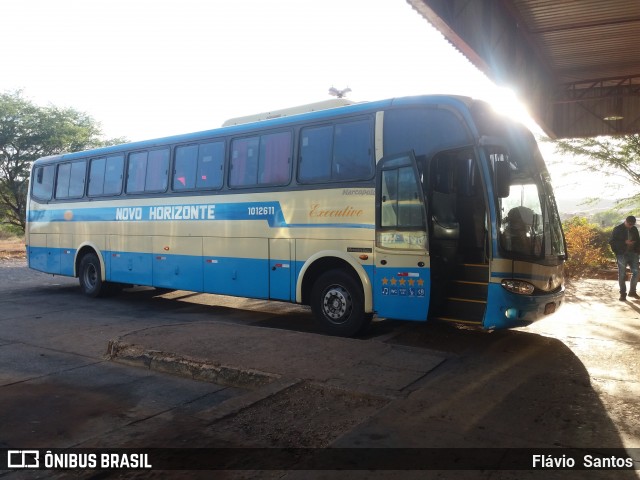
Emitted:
<point x="610" y="156"/>
<point x="28" y="132"/>
<point x="587" y="246"/>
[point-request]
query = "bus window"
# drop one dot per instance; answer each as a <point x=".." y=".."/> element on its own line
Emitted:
<point x="62" y="182"/>
<point x="70" y="182"/>
<point x="105" y="176"/>
<point x="157" y="171"/>
<point x="136" y="172"/>
<point x="275" y="159"/>
<point x="263" y="160"/>
<point x="148" y="171"/>
<point x="113" y="175"/>
<point x="199" y="166"/>
<point x="244" y="162"/>
<point x="210" y="165"/>
<point x="184" y="174"/>
<point x="336" y="153"/>
<point x="423" y="130"/>
<point x="316" y="144"/>
<point x="43" y="185"/>
<point x="402" y="207"/>
<point x="96" y="176"/>
<point x="352" y="158"/>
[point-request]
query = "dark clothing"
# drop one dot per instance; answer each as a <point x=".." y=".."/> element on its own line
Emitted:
<point x="626" y="255"/>
<point x="620" y="235"/>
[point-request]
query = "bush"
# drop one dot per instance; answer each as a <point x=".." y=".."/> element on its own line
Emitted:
<point x="588" y="248"/>
<point x="9" y="231"/>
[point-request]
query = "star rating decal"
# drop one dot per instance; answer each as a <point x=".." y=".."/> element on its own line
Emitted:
<point x="403" y="286"/>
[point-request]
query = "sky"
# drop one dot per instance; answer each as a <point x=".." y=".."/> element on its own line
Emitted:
<point x="147" y="69"/>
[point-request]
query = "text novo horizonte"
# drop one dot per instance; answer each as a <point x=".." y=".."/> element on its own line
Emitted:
<point x="167" y="212"/>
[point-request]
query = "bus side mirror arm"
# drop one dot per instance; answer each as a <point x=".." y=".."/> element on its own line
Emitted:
<point x="503" y="179"/>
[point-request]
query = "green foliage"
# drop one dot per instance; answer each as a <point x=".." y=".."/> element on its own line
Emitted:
<point x="28" y="132"/>
<point x="588" y="247"/>
<point x="608" y="218"/>
<point x="610" y="156"/>
<point x="9" y="231"/>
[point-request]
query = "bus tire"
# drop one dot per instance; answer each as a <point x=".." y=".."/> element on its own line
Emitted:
<point x="337" y="301"/>
<point x="90" y="276"/>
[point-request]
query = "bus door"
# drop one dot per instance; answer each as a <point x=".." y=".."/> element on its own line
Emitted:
<point x="401" y="274"/>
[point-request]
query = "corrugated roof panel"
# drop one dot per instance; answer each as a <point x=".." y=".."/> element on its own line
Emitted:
<point x="570" y="57"/>
<point x="586" y="39"/>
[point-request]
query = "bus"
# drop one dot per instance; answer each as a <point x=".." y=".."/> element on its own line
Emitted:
<point x="417" y="208"/>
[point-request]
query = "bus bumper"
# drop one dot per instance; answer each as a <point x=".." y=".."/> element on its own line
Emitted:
<point x="508" y="310"/>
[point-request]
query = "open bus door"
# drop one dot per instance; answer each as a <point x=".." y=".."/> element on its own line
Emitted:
<point x="402" y="273"/>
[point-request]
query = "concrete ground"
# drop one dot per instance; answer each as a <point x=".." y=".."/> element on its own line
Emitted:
<point x="259" y="374"/>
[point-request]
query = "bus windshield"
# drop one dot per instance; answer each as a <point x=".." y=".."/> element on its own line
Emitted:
<point x="529" y="225"/>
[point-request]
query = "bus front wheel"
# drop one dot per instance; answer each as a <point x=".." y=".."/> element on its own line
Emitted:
<point x="90" y="275"/>
<point x="337" y="301"/>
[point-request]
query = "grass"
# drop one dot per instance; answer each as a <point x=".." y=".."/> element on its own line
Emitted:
<point x="11" y="246"/>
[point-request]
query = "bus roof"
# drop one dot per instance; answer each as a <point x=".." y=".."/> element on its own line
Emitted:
<point x="287" y="112"/>
<point x="286" y="117"/>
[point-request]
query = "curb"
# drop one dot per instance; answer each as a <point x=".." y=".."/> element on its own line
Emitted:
<point x="137" y="356"/>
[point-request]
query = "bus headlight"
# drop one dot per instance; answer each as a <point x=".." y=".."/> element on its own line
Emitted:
<point x="518" y="286"/>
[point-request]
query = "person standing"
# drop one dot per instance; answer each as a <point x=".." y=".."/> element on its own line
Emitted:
<point x="625" y="243"/>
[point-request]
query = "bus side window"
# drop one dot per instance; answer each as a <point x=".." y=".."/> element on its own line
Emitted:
<point x="96" y="176"/>
<point x="275" y="156"/>
<point x="244" y="162"/>
<point x="71" y="178"/>
<point x="352" y="159"/>
<point x="77" y="179"/>
<point x="186" y="162"/>
<point x="113" y="175"/>
<point x="157" y="176"/>
<point x="389" y="213"/>
<point x="210" y="165"/>
<point x="62" y="181"/>
<point x="136" y="172"/>
<point x="314" y="160"/>
<point x="43" y="186"/>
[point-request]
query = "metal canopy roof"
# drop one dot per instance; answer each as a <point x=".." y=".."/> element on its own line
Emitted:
<point x="575" y="63"/>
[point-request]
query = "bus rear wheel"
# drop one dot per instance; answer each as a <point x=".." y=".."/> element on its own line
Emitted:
<point x="337" y="302"/>
<point x="90" y="276"/>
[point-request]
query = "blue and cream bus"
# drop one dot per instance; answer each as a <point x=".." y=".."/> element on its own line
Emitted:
<point x="417" y="208"/>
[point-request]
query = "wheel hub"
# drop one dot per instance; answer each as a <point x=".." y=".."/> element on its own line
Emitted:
<point x="91" y="275"/>
<point x="337" y="303"/>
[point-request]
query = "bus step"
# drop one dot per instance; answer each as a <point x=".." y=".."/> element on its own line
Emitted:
<point x="470" y="290"/>
<point x="464" y="308"/>
<point x="472" y="272"/>
<point x="466" y="298"/>
<point x="442" y="318"/>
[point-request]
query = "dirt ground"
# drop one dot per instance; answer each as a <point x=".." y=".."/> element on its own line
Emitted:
<point x="567" y="382"/>
<point x="12" y="247"/>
